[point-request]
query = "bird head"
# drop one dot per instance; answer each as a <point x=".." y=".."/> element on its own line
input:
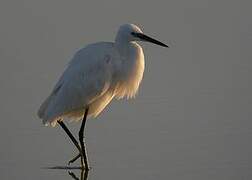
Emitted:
<point x="130" y="32"/>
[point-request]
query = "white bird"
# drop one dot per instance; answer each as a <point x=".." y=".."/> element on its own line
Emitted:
<point x="96" y="74"/>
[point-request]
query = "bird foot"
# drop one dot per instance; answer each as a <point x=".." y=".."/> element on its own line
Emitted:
<point x="74" y="159"/>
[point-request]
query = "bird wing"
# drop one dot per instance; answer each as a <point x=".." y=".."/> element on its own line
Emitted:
<point x="87" y="77"/>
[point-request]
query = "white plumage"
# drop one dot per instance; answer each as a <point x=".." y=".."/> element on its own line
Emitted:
<point x="96" y="74"/>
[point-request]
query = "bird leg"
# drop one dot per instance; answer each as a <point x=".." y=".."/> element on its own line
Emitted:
<point x="74" y="159"/>
<point x="82" y="150"/>
<point x="81" y="138"/>
<point x="64" y="127"/>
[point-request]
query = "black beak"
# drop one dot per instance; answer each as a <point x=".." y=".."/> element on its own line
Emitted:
<point x="149" y="39"/>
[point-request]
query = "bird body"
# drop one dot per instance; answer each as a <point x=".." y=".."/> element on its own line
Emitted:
<point x="96" y="74"/>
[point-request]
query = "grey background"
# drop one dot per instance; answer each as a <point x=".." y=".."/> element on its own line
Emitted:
<point x="191" y="118"/>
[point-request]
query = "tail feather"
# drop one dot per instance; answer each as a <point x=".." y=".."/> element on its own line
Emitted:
<point x="43" y="113"/>
<point x="43" y="110"/>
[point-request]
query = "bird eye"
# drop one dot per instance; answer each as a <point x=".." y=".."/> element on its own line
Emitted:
<point x="133" y="33"/>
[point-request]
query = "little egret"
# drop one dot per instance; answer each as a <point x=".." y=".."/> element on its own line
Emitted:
<point x="96" y="74"/>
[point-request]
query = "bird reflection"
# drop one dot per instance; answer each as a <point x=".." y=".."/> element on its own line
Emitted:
<point x="83" y="175"/>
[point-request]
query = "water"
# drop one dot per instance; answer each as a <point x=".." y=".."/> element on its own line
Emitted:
<point x="190" y="120"/>
<point x="122" y="147"/>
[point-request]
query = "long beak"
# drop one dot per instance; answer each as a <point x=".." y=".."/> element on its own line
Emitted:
<point x="149" y="39"/>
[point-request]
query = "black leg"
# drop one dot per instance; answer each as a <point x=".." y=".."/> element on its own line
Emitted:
<point x="61" y="123"/>
<point x="81" y="138"/>
<point x="74" y="159"/>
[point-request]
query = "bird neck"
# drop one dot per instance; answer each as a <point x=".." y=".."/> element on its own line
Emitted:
<point x="122" y="45"/>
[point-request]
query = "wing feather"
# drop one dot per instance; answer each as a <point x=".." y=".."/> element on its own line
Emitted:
<point x="87" y="77"/>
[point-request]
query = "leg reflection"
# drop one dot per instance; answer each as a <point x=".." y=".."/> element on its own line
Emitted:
<point x="83" y="175"/>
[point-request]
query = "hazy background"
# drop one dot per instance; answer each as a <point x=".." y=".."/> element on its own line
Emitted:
<point x="191" y="118"/>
